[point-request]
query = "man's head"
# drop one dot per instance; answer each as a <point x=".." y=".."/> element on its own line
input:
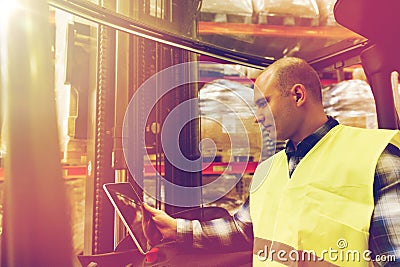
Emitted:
<point x="290" y="91"/>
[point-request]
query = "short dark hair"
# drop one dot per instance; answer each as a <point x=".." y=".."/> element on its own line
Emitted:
<point x="291" y="70"/>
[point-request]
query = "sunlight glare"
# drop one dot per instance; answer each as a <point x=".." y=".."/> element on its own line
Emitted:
<point x="6" y="8"/>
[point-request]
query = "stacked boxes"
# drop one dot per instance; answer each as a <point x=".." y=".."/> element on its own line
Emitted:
<point x="271" y="12"/>
<point x="231" y="11"/>
<point x="351" y="102"/>
<point x="227" y="118"/>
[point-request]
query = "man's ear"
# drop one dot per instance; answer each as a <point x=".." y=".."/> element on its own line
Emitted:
<point x="299" y="94"/>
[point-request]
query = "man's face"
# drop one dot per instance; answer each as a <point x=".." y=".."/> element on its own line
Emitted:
<point x="274" y="110"/>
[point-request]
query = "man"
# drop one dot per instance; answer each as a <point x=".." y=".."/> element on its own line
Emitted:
<point x="333" y="193"/>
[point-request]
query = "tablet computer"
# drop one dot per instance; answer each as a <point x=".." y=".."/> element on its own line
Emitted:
<point x="127" y="204"/>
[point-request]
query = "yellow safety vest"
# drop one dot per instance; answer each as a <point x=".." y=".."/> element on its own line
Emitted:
<point x="321" y="215"/>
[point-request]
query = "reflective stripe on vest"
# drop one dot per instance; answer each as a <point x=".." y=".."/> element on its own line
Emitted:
<point x="325" y="207"/>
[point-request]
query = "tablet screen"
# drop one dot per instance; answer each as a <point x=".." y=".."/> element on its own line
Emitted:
<point x="127" y="204"/>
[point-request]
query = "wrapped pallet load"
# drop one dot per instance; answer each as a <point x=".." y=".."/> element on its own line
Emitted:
<point x="226" y="11"/>
<point x="327" y="17"/>
<point x="351" y="102"/>
<point x="288" y="12"/>
<point x="227" y="118"/>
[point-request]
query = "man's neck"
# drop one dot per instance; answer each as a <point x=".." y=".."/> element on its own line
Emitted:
<point x="309" y="128"/>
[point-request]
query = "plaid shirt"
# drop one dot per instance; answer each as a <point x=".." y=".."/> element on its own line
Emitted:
<point x="237" y="231"/>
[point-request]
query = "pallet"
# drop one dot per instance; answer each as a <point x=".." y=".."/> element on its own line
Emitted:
<point x="226" y="17"/>
<point x="287" y="20"/>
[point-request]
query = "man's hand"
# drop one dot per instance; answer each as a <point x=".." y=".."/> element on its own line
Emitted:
<point x="157" y="225"/>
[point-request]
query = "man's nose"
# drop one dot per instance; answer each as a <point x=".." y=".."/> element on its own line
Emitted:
<point x="259" y="118"/>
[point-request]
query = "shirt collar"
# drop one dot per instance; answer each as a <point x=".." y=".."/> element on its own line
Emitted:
<point x="309" y="142"/>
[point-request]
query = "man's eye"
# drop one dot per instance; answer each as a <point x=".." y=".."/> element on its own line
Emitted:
<point x="262" y="103"/>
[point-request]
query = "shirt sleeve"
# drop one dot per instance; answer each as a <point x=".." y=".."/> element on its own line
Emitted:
<point x="384" y="241"/>
<point x="228" y="233"/>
